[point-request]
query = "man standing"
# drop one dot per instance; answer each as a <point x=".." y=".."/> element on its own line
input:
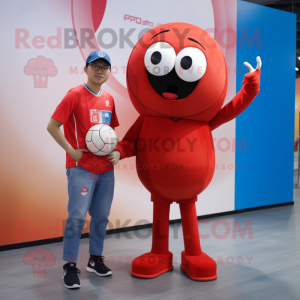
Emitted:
<point x="90" y="177"/>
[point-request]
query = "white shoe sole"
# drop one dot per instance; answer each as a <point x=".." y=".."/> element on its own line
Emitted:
<point x="74" y="286"/>
<point x="94" y="271"/>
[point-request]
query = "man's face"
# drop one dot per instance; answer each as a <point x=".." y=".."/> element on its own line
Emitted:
<point x="100" y="76"/>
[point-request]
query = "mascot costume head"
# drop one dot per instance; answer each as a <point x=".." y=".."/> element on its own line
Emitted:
<point x="177" y="70"/>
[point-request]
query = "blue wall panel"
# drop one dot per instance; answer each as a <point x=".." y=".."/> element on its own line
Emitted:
<point x="268" y="123"/>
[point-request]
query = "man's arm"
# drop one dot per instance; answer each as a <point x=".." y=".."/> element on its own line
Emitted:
<point x="54" y="129"/>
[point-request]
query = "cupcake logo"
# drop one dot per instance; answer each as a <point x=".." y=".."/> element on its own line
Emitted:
<point x="40" y="68"/>
<point x="39" y="258"/>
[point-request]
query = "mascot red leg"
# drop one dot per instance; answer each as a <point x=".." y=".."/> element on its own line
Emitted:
<point x="160" y="259"/>
<point x="197" y="264"/>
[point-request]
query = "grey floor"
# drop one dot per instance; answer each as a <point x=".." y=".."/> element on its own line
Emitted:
<point x="266" y="266"/>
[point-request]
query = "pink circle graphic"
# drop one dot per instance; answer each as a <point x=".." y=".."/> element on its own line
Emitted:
<point x="84" y="191"/>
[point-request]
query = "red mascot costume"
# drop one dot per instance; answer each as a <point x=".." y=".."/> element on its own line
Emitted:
<point x="177" y="81"/>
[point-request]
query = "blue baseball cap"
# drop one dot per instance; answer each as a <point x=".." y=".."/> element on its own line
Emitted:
<point x="97" y="55"/>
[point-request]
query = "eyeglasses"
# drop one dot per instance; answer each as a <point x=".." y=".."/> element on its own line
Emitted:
<point x="104" y="69"/>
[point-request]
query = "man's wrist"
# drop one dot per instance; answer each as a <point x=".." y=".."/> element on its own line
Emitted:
<point x="70" y="150"/>
<point x="119" y="152"/>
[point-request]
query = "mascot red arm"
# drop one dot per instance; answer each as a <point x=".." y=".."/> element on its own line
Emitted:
<point x="242" y="99"/>
<point x="178" y="83"/>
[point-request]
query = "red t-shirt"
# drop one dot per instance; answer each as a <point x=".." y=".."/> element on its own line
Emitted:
<point x="79" y="110"/>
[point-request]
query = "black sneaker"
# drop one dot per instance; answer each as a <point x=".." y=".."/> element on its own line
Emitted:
<point x="70" y="276"/>
<point x="97" y="266"/>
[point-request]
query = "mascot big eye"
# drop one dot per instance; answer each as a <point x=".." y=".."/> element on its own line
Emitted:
<point x="178" y="84"/>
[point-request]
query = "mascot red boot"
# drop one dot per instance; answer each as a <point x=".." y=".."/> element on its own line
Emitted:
<point x="177" y="81"/>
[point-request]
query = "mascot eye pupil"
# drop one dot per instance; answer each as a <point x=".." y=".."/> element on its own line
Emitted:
<point x="186" y="62"/>
<point x="156" y="57"/>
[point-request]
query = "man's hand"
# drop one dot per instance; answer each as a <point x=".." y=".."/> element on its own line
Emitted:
<point x="77" y="153"/>
<point x="114" y="157"/>
<point x="252" y="79"/>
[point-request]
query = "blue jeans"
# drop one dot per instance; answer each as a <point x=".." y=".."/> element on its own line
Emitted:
<point x="88" y="192"/>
